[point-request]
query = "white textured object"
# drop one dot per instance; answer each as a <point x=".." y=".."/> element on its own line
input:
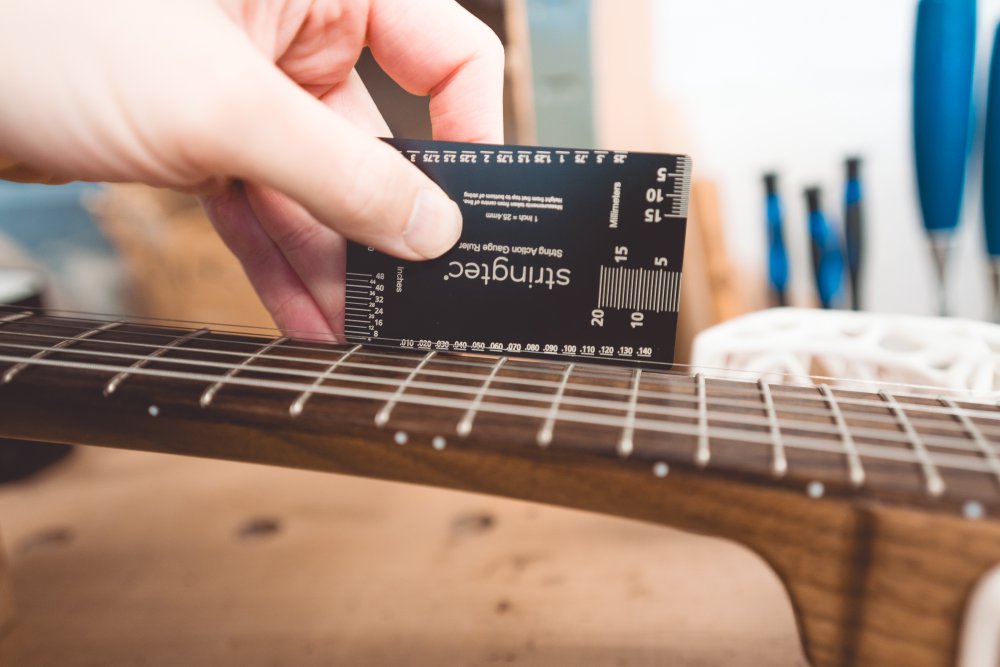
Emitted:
<point x="859" y="351"/>
<point x="980" y="633"/>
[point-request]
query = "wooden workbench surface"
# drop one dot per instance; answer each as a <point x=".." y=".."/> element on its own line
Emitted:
<point x="123" y="558"/>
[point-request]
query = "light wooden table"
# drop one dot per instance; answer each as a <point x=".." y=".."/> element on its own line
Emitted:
<point x="122" y="558"/>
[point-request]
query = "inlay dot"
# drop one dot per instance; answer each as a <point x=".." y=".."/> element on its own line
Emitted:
<point x="401" y="438"/>
<point x="154" y="411"/>
<point x="815" y="490"/>
<point x="661" y="469"/>
<point x="439" y="443"/>
<point x="973" y="510"/>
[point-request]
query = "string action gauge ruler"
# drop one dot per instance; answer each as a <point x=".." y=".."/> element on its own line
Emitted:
<point x="564" y="254"/>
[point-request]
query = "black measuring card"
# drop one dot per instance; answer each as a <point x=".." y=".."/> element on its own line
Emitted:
<point x="571" y="254"/>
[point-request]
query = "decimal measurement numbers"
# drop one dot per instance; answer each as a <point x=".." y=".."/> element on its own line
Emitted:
<point x="496" y="347"/>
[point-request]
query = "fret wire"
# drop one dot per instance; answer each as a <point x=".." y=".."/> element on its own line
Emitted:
<point x="299" y="404"/>
<point x="935" y="485"/>
<point x="115" y="382"/>
<point x="15" y="370"/>
<point x="209" y="394"/>
<point x="703" y="454"/>
<point x="382" y="417"/>
<point x="545" y="433"/>
<point x="625" y="444"/>
<point x="779" y="463"/>
<point x="991" y="456"/>
<point x="809" y="381"/>
<point x="662" y="378"/>
<point x="464" y="427"/>
<point x="943" y="461"/>
<point x="16" y="316"/>
<point x="856" y="473"/>
<point x="822" y="429"/>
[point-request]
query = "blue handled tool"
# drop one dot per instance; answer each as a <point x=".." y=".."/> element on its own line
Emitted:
<point x="828" y="262"/>
<point x="944" y="58"/>
<point x="991" y="174"/>
<point x="777" y="256"/>
<point x="854" y="227"/>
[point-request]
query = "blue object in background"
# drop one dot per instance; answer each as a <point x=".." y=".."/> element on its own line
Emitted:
<point x="944" y="59"/>
<point x="828" y="261"/>
<point x="777" y="256"/>
<point x="991" y="174"/>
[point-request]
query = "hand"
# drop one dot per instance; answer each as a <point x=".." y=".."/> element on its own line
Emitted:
<point x="257" y="107"/>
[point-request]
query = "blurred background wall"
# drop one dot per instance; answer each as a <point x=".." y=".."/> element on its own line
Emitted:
<point x="743" y="87"/>
<point x="795" y="87"/>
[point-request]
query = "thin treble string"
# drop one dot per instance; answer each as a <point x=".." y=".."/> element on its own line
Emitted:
<point x="750" y="404"/>
<point x="668" y="369"/>
<point x="899" y="455"/>
<point x="803" y="427"/>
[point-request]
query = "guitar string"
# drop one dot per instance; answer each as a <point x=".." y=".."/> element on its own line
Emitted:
<point x="738" y="436"/>
<point x="594" y="367"/>
<point x="675" y="381"/>
<point x="891" y="435"/>
<point x="814" y="428"/>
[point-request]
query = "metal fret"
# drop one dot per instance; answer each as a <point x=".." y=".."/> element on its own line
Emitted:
<point x="465" y="426"/>
<point x="977" y="436"/>
<point x="779" y="463"/>
<point x="15" y="370"/>
<point x="856" y="472"/>
<point x="625" y="444"/>
<point x="115" y="382"/>
<point x="299" y="404"/>
<point x="382" y="416"/>
<point x="545" y="433"/>
<point x="703" y="455"/>
<point x="16" y="316"/>
<point x="935" y="485"/>
<point x="209" y="394"/>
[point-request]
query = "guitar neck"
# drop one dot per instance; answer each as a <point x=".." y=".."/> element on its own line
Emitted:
<point x="930" y="451"/>
<point x="798" y="473"/>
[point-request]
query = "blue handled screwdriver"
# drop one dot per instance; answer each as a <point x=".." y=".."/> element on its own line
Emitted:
<point x="854" y="227"/>
<point x="777" y="256"/>
<point x="944" y="57"/>
<point x="828" y="262"/>
<point x="991" y="174"/>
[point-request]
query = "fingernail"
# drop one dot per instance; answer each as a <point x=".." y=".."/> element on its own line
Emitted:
<point x="435" y="224"/>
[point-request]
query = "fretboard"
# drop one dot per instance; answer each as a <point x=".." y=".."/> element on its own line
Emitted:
<point x="933" y="451"/>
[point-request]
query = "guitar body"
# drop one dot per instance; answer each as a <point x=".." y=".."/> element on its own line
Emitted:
<point x="878" y="512"/>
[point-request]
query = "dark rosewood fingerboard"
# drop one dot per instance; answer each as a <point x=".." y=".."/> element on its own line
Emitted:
<point x="940" y="452"/>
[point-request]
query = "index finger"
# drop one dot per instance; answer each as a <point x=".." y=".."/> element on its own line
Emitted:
<point x="437" y="48"/>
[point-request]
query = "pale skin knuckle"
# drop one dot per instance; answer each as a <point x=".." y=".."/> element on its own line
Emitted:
<point x="365" y="201"/>
<point x="298" y="238"/>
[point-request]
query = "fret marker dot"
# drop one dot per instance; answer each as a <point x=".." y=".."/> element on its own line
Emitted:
<point x="401" y="438"/>
<point x="974" y="511"/>
<point x="154" y="411"/>
<point x="439" y="443"/>
<point x="661" y="469"/>
<point x="815" y="490"/>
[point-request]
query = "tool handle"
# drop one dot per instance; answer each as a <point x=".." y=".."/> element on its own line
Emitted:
<point x="854" y="228"/>
<point x="777" y="255"/>
<point x="944" y="57"/>
<point x="828" y="260"/>
<point x="991" y="156"/>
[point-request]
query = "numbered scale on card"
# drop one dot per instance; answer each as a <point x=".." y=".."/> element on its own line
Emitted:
<point x="564" y="254"/>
